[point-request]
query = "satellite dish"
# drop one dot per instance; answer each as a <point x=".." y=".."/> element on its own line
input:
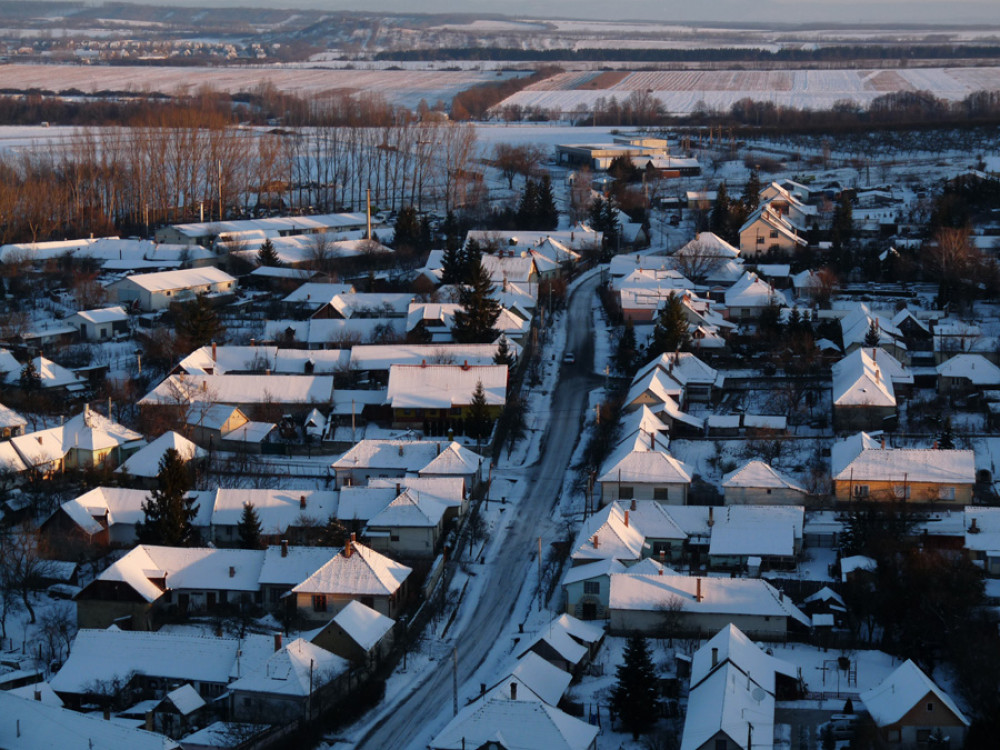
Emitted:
<point x="758" y="694"/>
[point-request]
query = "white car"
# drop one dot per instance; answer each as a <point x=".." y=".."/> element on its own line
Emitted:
<point x="569" y="358"/>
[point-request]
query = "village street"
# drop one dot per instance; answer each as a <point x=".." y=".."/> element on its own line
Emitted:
<point x="405" y="725"/>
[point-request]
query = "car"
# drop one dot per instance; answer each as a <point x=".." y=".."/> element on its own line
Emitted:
<point x="569" y="358"/>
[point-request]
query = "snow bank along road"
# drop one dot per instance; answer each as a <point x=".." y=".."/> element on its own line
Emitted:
<point x="513" y="563"/>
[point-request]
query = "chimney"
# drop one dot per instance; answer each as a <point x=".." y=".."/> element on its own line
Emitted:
<point x="465" y="365"/>
<point x="284" y="548"/>
<point x="632" y="506"/>
<point x="349" y="546"/>
<point x="883" y="442"/>
<point x="204" y="385"/>
<point x="715" y="656"/>
<point x="973" y="528"/>
<point x="659" y="571"/>
<point x="107" y="713"/>
<point x="935" y="446"/>
<point x="513" y="691"/>
<point x="38" y="694"/>
<point x="232" y="572"/>
<point x="302" y="502"/>
<point x="215" y="352"/>
<point x="399" y="489"/>
<point x="697" y="594"/>
<point x="663" y="556"/>
<point x="400" y="449"/>
<point x="594" y="541"/>
<point x="711" y="516"/>
<point x="423" y="363"/>
<point x="277" y="641"/>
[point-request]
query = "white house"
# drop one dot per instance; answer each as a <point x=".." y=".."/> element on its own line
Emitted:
<point x="155" y="291"/>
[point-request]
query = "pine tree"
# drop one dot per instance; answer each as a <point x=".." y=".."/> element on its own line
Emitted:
<point x="718" y="222"/>
<point x="872" y="336"/>
<point x="671" y="330"/>
<point x="478" y="311"/>
<point x="249" y="528"/>
<point x="548" y="214"/>
<point x="611" y="226"/>
<point x="635" y="696"/>
<point x="335" y="534"/>
<point x="472" y="259"/>
<point x="452" y="266"/>
<point x="842" y="229"/>
<point x="947" y="440"/>
<point x="31" y="379"/>
<point x="424" y="240"/>
<point x="478" y="420"/>
<point x="451" y="232"/>
<point x="168" y="513"/>
<point x="527" y="207"/>
<point x="267" y="255"/>
<point x="198" y="324"/>
<point x="751" y="193"/>
<point x="406" y="231"/>
<point x="504" y="355"/>
<point x="625" y="355"/>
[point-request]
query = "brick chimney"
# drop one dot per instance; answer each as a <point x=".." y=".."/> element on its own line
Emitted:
<point x="626" y="518"/>
<point x="232" y="572"/>
<point x="215" y="352"/>
<point x="302" y="502"/>
<point x="513" y="691"/>
<point x="399" y="488"/>
<point x="711" y="516"/>
<point x="277" y="641"/>
<point x="349" y="546"/>
<point x="594" y="541"/>
<point x="697" y="594"/>
<point x="715" y="656"/>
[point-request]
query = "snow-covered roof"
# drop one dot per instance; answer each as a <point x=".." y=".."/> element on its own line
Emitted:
<point x="381" y="356"/>
<point x="752" y="291"/>
<point x="146" y="461"/>
<point x="982" y="529"/>
<point x="589" y="571"/>
<point x="28" y="724"/>
<point x="708" y="244"/>
<point x="296" y="565"/>
<point x="446" y="489"/>
<point x="579" y="630"/>
<point x="513" y="268"/>
<point x="733" y="645"/>
<point x="514" y="724"/>
<point x="732" y="596"/>
<point x="758" y="475"/>
<point x="411" y="509"/>
<point x="866" y="377"/>
<point x="856" y="324"/>
<point x="855" y="562"/>
<point x="657" y="384"/>
<point x="445" y="386"/>
<point x="542" y="678"/>
<point x="51" y="374"/>
<point x="645" y="467"/>
<point x="97" y="316"/>
<point x="121" y="505"/>
<point x="972" y="367"/>
<point x="185" y="699"/>
<point x="684" y="368"/>
<point x="232" y="360"/>
<point x="726" y="701"/>
<point x="361" y="503"/>
<point x="321" y="332"/>
<point x="605" y="535"/>
<point x="775" y="539"/>
<point x="358" y="570"/>
<point x="901" y="691"/>
<point x="250" y="432"/>
<point x="363" y="625"/>
<point x="184" y="278"/>
<point x="298" y="669"/>
<point x="276" y="509"/>
<point x="242" y="389"/>
<point x="842" y="452"/>
<point x="105" y="654"/>
<point x="10" y="459"/>
<point x="454" y="460"/>
<point x="8" y="363"/>
<point x="911" y="465"/>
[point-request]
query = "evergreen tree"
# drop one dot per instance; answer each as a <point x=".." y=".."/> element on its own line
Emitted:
<point x="198" y="324"/>
<point x="504" y="354"/>
<point x="548" y="214"/>
<point x="31" y="379"/>
<point x="249" y="528"/>
<point x="718" y="222"/>
<point x="478" y="311"/>
<point x="872" y="336"/>
<point x="452" y="266"/>
<point x="611" y="226"/>
<point x="406" y="232"/>
<point x="635" y="695"/>
<point x="335" y="534"/>
<point x="477" y="423"/>
<point x="451" y="232"/>
<point x="671" y="330"/>
<point x="751" y="193"/>
<point x="947" y="440"/>
<point x="627" y="351"/>
<point x="424" y="241"/>
<point x="267" y="255"/>
<point x="168" y="512"/>
<point x="472" y="259"/>
<point x="527" y="207"/>
<point x="842" y="229"/>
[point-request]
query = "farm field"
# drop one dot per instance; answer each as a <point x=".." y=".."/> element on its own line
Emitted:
<point x="404" y="87"/>
<point x="682" y="91"/>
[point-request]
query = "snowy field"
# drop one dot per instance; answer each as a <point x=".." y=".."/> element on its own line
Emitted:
<point x="404" y="87"/>
<point x="681" y="91"/>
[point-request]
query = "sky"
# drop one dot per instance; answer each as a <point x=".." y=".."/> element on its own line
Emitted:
<point x="740" y="11"/>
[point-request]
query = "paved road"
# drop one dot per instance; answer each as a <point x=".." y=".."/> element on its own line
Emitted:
<point x="513" y="564"/>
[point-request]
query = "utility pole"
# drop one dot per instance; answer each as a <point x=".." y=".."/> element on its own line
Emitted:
<point x="454" y="681"/>
<point x="539" y="573"/>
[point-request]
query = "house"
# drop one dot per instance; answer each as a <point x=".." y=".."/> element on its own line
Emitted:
<point x="144" y="465"/>
<point x="695" y="378"/>
<point x="756" y="537"/>
<point x="99" y="325"/>
<point x="87" y="440"/>
<point x="864" y="395"/>
<point x="757" y="483"/>
<point x="642" y="472"/>
<point x="909" y="710"/>
<point x="12" y="424"/>
<point x="566" y="642"/>
<point x="982" y="538"/>
<point x="865" y="470"/>
<point x="204" y="233"/>
<point x="156" y="291"/>
<point x="286" y="566"/>
<point x="178" y="713"/>
<point x="31" y="724"/>
<point x="731" y="701"/>
<point x="967" y="374"/>
<point x="357" y="633"/>
<point x="750" y="296"/>
<point x="440" y="397"/>
<point x="298" y="681"/>
<point x="767" y="231"/>
<point x="297" y="394"/>
<point x="669" y="603"/>
<point x="359" y="573"/>
<point x="539" y="677"/>
<point x="379" y="459"/>
<point x="860" y="321"/>
<point x="262" y="360"/>
<point x="333" y="333"/>
<point x="587" y="588"/>
<point x="151" y="580"/>
<point x="291" y="515"/>
<point x="409" y="527"/>
<point x="151" y="665"/>
<point x="375" y="360"/>
<point x="51" y="377"/>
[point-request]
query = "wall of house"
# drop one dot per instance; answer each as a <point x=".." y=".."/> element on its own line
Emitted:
<point x="705" y="624"/>
<point x="360" y="477"/>
<point x="721" y="736"/>
<point x="919" y="492"/>
<point x="676" y="493"/>
<point x="576" y="598"/>
<point x="404" y="542"/>
<point x="101" y="614"/>
<point x="762" y="496"/>
<point x="919" y="718"/>
<point x="336" y="602"/>
<point x="750" y="244"/>
<point x="857" y="418"/>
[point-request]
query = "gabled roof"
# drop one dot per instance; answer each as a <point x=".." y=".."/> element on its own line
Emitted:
<point x="114" y="314"/>
<point x="752" y="291"/>
<point x="515" y="725"/>
<point x="708" y="244"/>
<point x="727" y="702"/>
<point x="242" y="389"/>
<point x="890" y="701"/>
<point x="406" y="455"/>
<point x="658" y="384"/>
<point x="684" y="368"/>
<point x="296" y="565"/>
<point x="146" y="461"/>
<point x="445" y="386"/>
<point x="181" y="279"/>
<point x="605" y="535"/>
<point x="731" y="644"/>
<point x="382" y="356"/>
<point x="972" y="367"/>
<point x="645" y="467"/>
<point x="858" y="380"/>
<point x="454" y="460"/>
<point x="758" y="475"/>
<point x="52" y="374"/>
<point x="363" y="625"/>
<point x="358" y="570"/>
<point x="276" y="509"/>
<point x="542" y="678"/>
<point x="298" y="669"/>
<point x="589" y="571"/>
<point x="409" y="510"/>
<point x="911" y="465"/>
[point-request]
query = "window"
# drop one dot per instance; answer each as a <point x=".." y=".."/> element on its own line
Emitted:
<point x="319" y="603"/>
<point x="721" y="745"/>
<point x="923" y="736"/>
<point x="626" y="493"/>
<point x="901" y="492"/>
<point x="861" y="490"/>
<point x="760" y="240"/>
<point x="393" y="537"/>
<point x="592" y="587"/>
<point x="930" y="705"/>
<point x="768" y="491"/>
<point x="774" y="234"/>
<point x="947" y="493"/>
<point x="893" y="736"/>
<point x="661" y="493"/>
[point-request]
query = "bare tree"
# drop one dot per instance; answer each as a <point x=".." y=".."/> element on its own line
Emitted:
<point x="23" y="563"/>
<point x="697" y="259"/>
